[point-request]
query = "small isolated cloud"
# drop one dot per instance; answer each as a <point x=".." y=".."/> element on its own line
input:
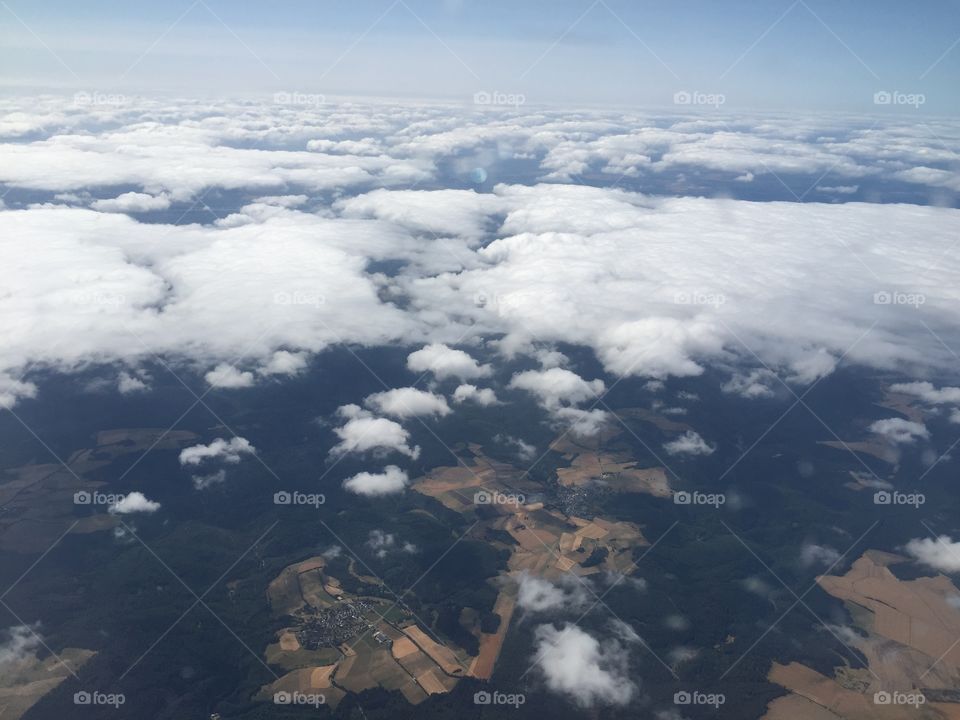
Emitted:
<point x="407" y="402"/>
<point x="690" y="443"/>
<point x="383" y="543"/>
<point x="537" y="594"/>
<point x="557" y="387"/>
<point x="227" y="376"/>
<point x="480" y="396"/>
<point x="391" y="480"/>
<point x="900" y="431"/>
<point x="284" y="362"/>
<point x="132" y="202"/>
<point x="942" y="554"/>
<point x="135" y="502"/>
<point x="21" y="644"/>
<point x="127" y="384"/>
<point x="588" y="671"/>
<point x="525" y="451"/>
<point x="813" y="554"/>
<point x="363" y="432"/>
<point x="229" y="451"/>
<point x="446" y="362"/>
<point x="202" y="482"/>
<point x="752" y="385"/>
<point x="928" y="392"/>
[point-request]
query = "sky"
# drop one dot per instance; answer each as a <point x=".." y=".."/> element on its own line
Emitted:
<point x="770" y="54"/>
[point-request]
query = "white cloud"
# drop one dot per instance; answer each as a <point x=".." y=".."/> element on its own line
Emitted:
<point x="758" y="383"/>
<point x="525" y="451"/>
<point x="901" y="431"/>
<point x="928" y="392"/>
<point x="132" y="202"/>
<point x="229" y="451"/>
<point x="284" y="363"/>
<point x="942" y="554"/>
<point x="135" y="502"/>
<point x="813" y="554"/>
<point x="202" y="482"/>
<point x="383" y="543"/>
<point x="481" y="396"/>
<point x="391" y="480"/>
<point x="127" y="383"/>
<point x="557" y="387"/>
<point x="363" y="432"/>
<point x="225" y="375"/>
<point x="576" y="664"/>
<point x="21" y="644"/>
<point x="407" y="402"/>
<point x="446" y="362"/>
<point x="690" y="443"/>
<point x="536" y="594"/>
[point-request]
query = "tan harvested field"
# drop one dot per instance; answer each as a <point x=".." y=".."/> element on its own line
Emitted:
<point x="26" y="680"/>
<point x="430" y="683"/>
<point x="491" y="644"/>
<point x="440" y="654"/>
<point x="911" y="627"/>
<point x="403" y="647"/>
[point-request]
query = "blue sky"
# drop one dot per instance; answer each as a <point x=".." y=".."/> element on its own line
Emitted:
<point x="808" y="54"/>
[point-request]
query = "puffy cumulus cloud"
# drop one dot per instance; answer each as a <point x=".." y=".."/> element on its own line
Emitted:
<point x="578" y="665"/>
<point x="135" y="502"/>
<point x="383" y="543"/>
<point x="284" y="362"/>
<point x="225" y="375"/>
<point x="928" y="392"/>
<point x="228" y="451"/>
<point x="128" y="384"/>
<point x="202" y="482"/>
<point x="941" y="554"/>
<point x="813" y="554"/>
<point x="557" y="387"/>
<point x="758" y="383"/>
<point x="900" y="431"/>
<point x="690" y="443"/>
<point x="536" y="594"/>
<point x="471" y="393"/>
<point x="363" y="432"/>
<point x="407" y="402"/>
<point x="132" y="202"/>
<point x="446" y="362"/>
<point x="19" y="645"/>
<point x="525" y="451"/>
<point x="391" y="480"/>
